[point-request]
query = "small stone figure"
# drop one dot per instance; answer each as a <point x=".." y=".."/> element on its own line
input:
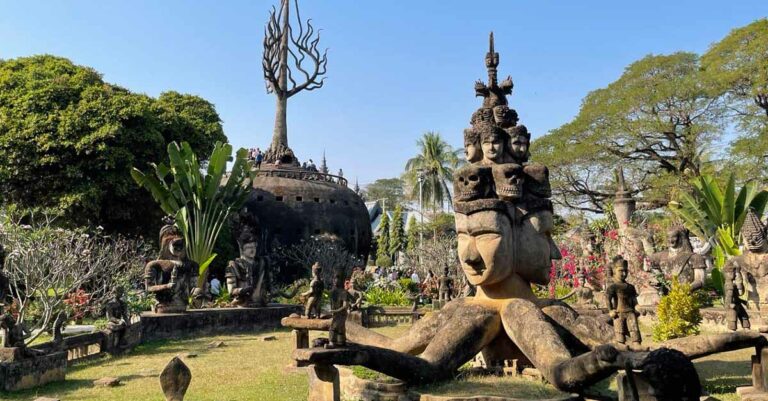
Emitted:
<point x="337" y="333"/>
<point x="585" y="297"/>
<point x="622" y="299"/>
<point x="172" y="277"/>
<point x="12" y="333"/>
<point x="314" y="295"/>
<point x="446" y="286"/>
<point x="734" y="287"/>
<point x="118" y="318"/>
<point x="247" y="276"/>
<point x="355" y="296"/>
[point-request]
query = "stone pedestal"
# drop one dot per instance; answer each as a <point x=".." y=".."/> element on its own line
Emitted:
<point x="323" y="383"/>
<point x="641" y="391"/>
<point x="758" y="391"/>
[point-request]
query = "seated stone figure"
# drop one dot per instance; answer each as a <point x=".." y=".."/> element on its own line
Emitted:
<point x="248" y="276"/>
<point x="679" y="260"/>
<point x="753" y="263"/>
<point x="118" y="319"/>
<point x="173" y="276"/>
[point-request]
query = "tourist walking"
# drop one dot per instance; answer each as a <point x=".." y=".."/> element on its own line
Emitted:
<point x="258" y="157"/>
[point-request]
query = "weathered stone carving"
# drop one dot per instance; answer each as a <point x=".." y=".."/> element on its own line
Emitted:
<point x="680" y="260"/>
<point x="445" y="286"/>
<point x="314" y="295"/>
<point x="735" y="312"/>
<point x="12" y="333"/>
<point x="248" y="277"/>
<point x="752" y="265"/>
<point x="118" y="319"/>
<point x="509" y="181"/>
<point x="472" y="182"/>
<point x="337" y="333"/>
<point x="173" y="276"/>
<point x="622" y="300"/>
<point x="175" y="379"/>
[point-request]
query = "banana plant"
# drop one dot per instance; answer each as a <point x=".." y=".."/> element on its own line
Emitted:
<point x="717" y="215"/>
<point x="200" y="199"/>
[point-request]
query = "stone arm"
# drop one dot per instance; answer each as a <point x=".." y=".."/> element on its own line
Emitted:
<point x="152" y="279"/>
<point x="344" y="306"/>
<point x="194" y="272"/>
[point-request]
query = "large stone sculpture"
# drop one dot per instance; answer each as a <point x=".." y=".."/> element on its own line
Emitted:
<point x="173" y="276"/>
<point x="680" y="260"/>
<point x="505" y="246"/>
<point x="622" y="300"/>
<point x="248" y="277"/>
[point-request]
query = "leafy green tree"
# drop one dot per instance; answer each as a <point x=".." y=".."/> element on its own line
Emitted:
<point x="68" y="140"/>
<point x="657" y="120"/>
<point x="390" y="190"/>
<point x="382" y="248"/>
<point x="412" y="236"/>
<point x="737" y="67"/>
<point x="435" y="162"/>
<point x="714" y="213"/>
<point x="397" y="239"/>
<point x="201" y="202"/>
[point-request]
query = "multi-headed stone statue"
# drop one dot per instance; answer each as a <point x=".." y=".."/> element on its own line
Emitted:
<point x="622" y="300"/>
<point x="173" y="276"/>
<point x="248" y="277"/>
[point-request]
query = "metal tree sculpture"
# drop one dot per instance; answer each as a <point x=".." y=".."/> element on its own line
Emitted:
<point x="280" y="43"/>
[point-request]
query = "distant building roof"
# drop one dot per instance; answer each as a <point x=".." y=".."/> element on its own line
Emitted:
<point x="375" y="211"/>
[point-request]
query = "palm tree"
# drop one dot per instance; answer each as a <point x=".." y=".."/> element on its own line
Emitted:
<point x="436" y="163"/>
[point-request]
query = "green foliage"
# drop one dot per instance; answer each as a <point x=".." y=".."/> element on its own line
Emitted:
<point x="441" y="224"/>
<point x="436" y="162"/>
<point x="201" y="202"/>
<point x="69" y="139"/>
<point x="678" y="313"/>
<point x="384" y="261"/>
<point x="408" y="285"/>
<point x="712" y="212"/>
<point x="397" y="240"/>
<point x="389" y="190"/>
<point x="412" y="236"/>
<point x="382" y="248"/>
<point x="387" y="296"/>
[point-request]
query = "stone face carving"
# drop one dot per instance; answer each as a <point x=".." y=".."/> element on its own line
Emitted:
<point x="314" y="295"/>
<point x="509" y="181"/>
<point x="679" y="260"/>
<point x="472" y="182"/>
<point x="337" y="333"/>
<point x="172" y="277"/>
<point x="622" y="300"/>
<point x="118" y="318"/>
<point x="248" y="279"/>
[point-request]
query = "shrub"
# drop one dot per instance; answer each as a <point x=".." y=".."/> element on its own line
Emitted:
<point x="408" y="285"/>
<point x="384" y="261"/>
<point x="678" y="313"/>
<point x="387" y="297"/>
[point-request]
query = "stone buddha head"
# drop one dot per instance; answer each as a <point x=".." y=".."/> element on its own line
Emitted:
<point x="472" y="151"/>
<point x="248" y="245"/>
<point x="678" y="239"/>
<point x="519" y="143"/>
<point x="493" y="142"/>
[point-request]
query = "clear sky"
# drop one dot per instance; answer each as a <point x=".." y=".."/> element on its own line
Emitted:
<point x="396" y="68"/>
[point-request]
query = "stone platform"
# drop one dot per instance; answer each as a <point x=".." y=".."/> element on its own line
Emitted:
<point x="202" y="322"/>
<point x="29" y="372"/>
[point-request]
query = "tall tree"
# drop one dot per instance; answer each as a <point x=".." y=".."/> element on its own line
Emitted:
<point x="284" y="48"/>
<point x="737" y="66"/>
<point x="397" y="239"/>
<point x="658" y="120"/>
<point x="382" y="248"/>
<point x="435" y="163"/>
<point x="413" y="235"/>
<point x="68" y="140"/>
<point x="390" y="190"/>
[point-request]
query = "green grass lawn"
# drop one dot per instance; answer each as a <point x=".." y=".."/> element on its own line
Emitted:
<point x="247" y="368"/>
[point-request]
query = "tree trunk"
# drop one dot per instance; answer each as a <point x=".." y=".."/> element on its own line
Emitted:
<point x="280" y="133"/>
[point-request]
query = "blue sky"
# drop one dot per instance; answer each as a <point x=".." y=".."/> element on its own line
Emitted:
<point x="396" y="68"/>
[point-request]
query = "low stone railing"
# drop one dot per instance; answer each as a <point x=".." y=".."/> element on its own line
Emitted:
<point x="378" y="316"/>
<point x="299" y="174"/>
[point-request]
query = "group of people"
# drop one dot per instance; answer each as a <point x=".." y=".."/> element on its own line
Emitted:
<point x="256" y="155"/>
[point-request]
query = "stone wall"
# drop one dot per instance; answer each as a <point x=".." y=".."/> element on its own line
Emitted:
<point x="204" y="322"/>
<point x="33" y="371"/>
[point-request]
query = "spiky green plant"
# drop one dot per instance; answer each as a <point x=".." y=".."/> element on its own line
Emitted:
<point x="201" y="200"/>
<point x="717" y="214"/>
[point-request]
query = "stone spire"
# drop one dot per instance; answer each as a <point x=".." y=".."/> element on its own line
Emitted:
<point x="357" y="187"/>
<point x="324" y="165"/>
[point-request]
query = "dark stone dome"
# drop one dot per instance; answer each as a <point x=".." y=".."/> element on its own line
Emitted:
<point x="291" y="204"/>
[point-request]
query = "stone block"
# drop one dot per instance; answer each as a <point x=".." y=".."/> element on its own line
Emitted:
<point x="626" y="393"/>
<point x="751" y="394"/>
<point x="107" y="382"/>
<point x="324" y="383"/>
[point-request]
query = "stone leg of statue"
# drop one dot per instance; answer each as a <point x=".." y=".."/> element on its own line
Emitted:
<point x="700" y="346"/>
<point x="415" y="340"/>
<point x="537" y="338"/>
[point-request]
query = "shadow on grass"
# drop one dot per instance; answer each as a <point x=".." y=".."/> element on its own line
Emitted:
<point x="61" y="388"/>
